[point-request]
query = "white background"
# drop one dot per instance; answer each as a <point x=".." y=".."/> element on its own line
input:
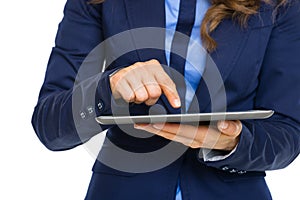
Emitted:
<point x="28" y="170"/>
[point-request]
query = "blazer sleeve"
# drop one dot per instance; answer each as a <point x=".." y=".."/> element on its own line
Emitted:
<point x="70" y="98"/>
<point x="275" y="142"/>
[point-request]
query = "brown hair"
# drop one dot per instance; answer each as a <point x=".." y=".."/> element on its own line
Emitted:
<point x="239" y="10"/>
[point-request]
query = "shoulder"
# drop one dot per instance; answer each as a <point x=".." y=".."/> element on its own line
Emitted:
<point x="279" y="14"/>
<point x="288" y="11"/>
<point x="83" y="7"/>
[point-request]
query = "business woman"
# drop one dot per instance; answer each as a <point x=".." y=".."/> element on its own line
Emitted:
<point x="252" y="64"/>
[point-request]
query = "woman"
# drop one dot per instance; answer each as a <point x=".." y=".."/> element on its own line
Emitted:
<point x="254" y="46"/>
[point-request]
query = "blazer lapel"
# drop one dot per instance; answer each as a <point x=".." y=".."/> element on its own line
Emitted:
<point x="147" y="20"/>
<point x="231" y="40"/>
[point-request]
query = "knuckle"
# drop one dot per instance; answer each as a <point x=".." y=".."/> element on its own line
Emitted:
<point x="150" y="102"/>
<point x="138" y="64"/>
<point x="129" y="97"/>
<point x="155" y="93"/>
<point x="116" y="86"/>
<point x="195" y="145"/>
<point x="153" y="61"/>
<point x="141" y="96"/>
<point x="124" y="72"/>
<point x="117" y="77"/>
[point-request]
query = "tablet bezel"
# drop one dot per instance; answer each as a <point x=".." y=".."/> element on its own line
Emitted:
<point x="185" y="118"/>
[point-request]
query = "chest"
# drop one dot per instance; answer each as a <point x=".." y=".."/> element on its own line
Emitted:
<point x="135" y="31"/>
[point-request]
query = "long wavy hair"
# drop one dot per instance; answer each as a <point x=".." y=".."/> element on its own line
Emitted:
<point x="238" y="10"/>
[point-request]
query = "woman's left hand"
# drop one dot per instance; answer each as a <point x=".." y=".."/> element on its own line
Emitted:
<point x="224" y="136"/>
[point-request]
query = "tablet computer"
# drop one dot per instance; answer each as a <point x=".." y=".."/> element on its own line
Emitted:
<point x="185" y="118"/>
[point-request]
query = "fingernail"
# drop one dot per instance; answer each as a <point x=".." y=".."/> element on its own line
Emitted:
<point x="223" y="125"/>
<point x="177" y="103"/>
<point x="158" y="126"/>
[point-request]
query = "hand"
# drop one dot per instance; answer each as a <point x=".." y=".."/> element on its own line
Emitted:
<point x="224" y="137"/>
<point x="144" y="82"/>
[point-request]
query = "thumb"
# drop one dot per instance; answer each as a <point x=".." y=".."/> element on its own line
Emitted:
<point x="230" y="128"/>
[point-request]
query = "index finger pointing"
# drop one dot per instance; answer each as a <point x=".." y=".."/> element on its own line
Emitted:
<point x="169" y="89"/>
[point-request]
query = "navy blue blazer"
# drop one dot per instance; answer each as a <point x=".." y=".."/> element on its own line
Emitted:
<point x="259" y="66"/>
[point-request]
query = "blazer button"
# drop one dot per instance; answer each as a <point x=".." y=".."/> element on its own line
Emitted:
<point x="83" y="115"/>
<point x="242" y="172"/>
<point x="225" y="168"/>
<point x="232" y="171"/>
<point x="100" y="105"/>
<point x="90" y="110"/>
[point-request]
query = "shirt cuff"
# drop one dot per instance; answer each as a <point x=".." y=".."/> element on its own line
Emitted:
<point x="215" y="155"/>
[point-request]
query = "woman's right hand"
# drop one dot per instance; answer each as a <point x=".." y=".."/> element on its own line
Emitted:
<point x="144" y="82"/>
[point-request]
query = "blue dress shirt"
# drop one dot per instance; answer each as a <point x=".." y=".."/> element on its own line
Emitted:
<point x="192" y="73"/>
<point x="195" y="52"/>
